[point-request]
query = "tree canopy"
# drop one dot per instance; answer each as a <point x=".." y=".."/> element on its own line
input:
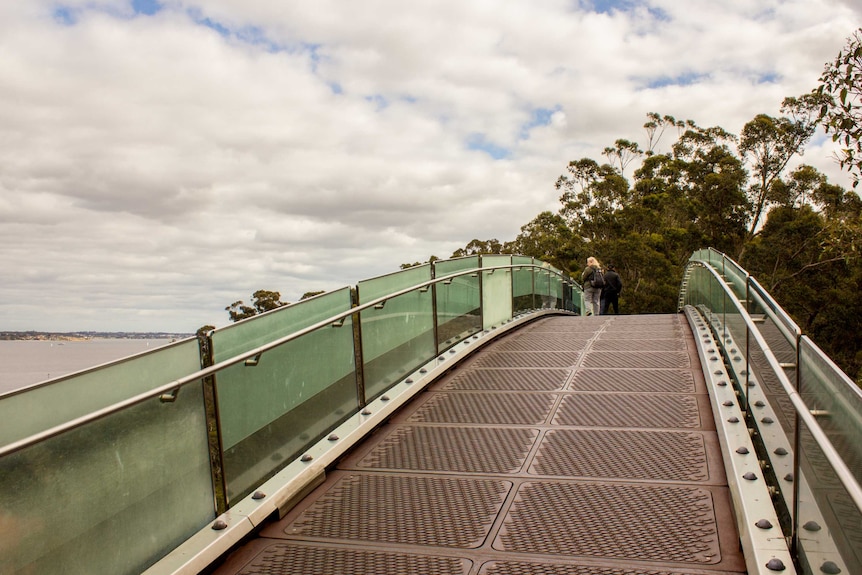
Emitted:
<point x="840" y="111"/>
<point x="694" y="187"/>
<point x="646" y="209"/>
<point x="262" y="301"/>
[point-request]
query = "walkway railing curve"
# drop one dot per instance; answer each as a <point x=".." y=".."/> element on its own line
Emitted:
<point x="161" y="461"/>
<point x="804" y="413"/>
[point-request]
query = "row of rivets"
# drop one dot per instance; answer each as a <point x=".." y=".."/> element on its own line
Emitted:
<point x="773" y="564"/>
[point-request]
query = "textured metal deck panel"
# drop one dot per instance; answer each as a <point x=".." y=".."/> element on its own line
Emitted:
<point x="509" y="380"/>
<point x="573" y="446"/>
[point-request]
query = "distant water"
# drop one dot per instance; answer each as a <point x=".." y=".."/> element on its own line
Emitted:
<point x="26" y="362"/>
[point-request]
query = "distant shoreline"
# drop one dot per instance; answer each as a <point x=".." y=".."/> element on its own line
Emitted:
<point x="87" y="335"/>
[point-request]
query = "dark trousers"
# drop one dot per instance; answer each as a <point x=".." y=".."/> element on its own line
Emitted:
<point x="608" y="300"/>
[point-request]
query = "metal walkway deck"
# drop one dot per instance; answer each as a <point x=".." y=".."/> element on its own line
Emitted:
<point x="571" y="446"/>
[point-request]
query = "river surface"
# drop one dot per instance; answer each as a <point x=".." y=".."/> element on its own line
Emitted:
<point x="23" y="363"/>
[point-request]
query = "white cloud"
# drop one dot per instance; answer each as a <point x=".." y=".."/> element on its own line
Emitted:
<point x="154" y="169"/>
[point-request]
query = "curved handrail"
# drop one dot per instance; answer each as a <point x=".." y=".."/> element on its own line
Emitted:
<point x="247" y="355"/>
<point x="843" y="472"/>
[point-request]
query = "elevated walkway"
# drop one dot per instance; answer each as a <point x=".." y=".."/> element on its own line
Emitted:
<point x="571" y="445"/>
<point x="460" y="416"/>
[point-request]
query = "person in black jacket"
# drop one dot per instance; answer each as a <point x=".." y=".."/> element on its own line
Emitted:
<point x="611" y="291"/>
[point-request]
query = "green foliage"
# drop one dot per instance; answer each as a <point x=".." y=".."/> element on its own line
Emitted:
<point x="808" y="261"/>
<point x="840" y="113"/>
<point x="798" y="234"/>
<point x="476" y="247"/>
<point x="262" y="301"/>
<point x="548" y="238"/>
<point x="414" y="264"/>
<point x="769" y="144"/>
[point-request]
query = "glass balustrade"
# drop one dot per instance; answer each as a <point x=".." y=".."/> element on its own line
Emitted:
<point x="270" y="407"/>
<point x="398" y="334"/>
<point x="38" y="408"/>
<point x="457" y="301"/>
<point x="808" y="443"/>
<point x="111" y="496"/>
<point x="140" y="454"/>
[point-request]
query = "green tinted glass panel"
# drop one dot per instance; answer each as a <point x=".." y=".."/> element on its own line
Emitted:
<point x="458" y="305"/>
<point x="374" y="288"/>
<point x="557" y="291"/>
<point x="522" y="285"/>
<point x="259" y="330"/>
<point x="736" y="279"/>
<point x="112" y="496"/>
<point x="542" y="279"/>
<point x="399" y="337"/>
<point x="294" y="394"/>
<point x="827" y="390"/>
<point x="36" y="409"/>
<point x="823" y="499"/>
<point x="762" y="305"/>
<point x="496" y="291"/>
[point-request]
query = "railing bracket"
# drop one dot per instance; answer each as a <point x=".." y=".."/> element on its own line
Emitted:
<point x="169" y="397"/>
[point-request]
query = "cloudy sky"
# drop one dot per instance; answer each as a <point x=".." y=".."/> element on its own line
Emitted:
<point x="161" y="159"/>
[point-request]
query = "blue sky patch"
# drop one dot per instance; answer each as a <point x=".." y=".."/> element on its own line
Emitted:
<point x="538" y="117"/>
<point x="256" y="36"/>
<point x="378" y="100"/>
<point x="148" y="7"/>
<point x="69" y="16"/>
<point x="658" y="14"/>
<point x="612" y="6"/>
<point x="768" y="78"/>
<point x="685" y="79"/>
<point x="65" y="15"/>
<point x="213" y="25"/>
<point x="479" y="143"/>
<point x="609" y="6"/>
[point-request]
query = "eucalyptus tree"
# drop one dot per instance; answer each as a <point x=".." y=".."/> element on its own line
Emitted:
<point x="841" y="110"/>
<point x="655" y="127"/>
<point x="592" y="196"/>
<point x="622" y="153"/>
<point x="476" y="247"/>
<point x="262" y="301"/>
<point x="768" y="144"/>
<point x="549" y="238"/>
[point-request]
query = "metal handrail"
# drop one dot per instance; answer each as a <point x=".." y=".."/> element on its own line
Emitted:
<point x="207" y="371"/>
<point x="843" y="473"/>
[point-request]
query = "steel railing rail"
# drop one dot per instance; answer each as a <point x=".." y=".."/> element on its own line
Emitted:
<point x="843" y="472"/>
<point x="254" y="353"/>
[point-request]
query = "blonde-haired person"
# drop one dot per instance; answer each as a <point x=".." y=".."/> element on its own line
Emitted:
<point x="592" y="295"/>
